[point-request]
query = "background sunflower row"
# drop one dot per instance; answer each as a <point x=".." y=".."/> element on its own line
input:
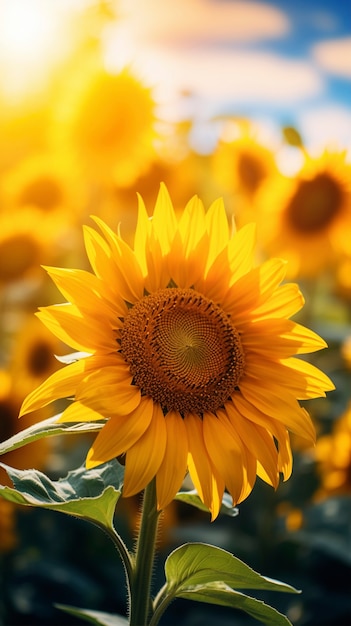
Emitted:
<point x="87" y="143"/>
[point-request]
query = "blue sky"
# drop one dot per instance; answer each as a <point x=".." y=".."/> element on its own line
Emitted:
<point x="278" y="62"/>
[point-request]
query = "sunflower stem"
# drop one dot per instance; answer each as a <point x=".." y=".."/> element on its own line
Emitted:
<point x="140" y="603"/>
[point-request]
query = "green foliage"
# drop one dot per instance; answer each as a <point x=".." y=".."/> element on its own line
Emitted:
<point x="192" y="498"/>
<point x="99" y="618"/>
<point x="48" y="428"/>
<point x="195" y="571"/>
<point x="88" y="494"/>
<point x="205" y="573"/>
<point x="198" y="563"/>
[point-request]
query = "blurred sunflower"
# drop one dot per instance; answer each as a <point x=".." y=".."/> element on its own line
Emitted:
<point x="23" y="129"/>
<point x="28" y="237"/>
<point x="240" y="167"/>
<point x="108" y="121"/>
<point x="342" y="283"/>
<point x="43" y="181"/>
<point x="23" y="243"/>
<point x="243" y="164"/>
<point x="188" y="355"/>
<point x="307" y="219"/>
<point x="8" y="537"/>
<point x="182" y="176"/>
<point x="36" y="453"/>
<point x="32" y="357"/>
<point x="333" y="456"/>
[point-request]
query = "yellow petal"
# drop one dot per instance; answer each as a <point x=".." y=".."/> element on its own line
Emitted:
<point x="79" y="331"/>
<point x="255" y="287"/>
<point x="233" y="262"/>
<point x="241" y="251"/>
<point x="173" y="467"/>
<point x="283" y="408"/>
<point x="278" y="338"/>
<point x="120" y="433"/>
<point x="284" y="302"/>
<point x="142" y="231"/>
<point x="189" y="244"/>
<point x="127" y="271"/>
<point x="218" y="230"/>
<point x="259" y="442"/>
<point x="108" y="389"/>
<point x="225" y="453"/>
<point x="97" y="250"/>
<point x="144" y="457"/>
<point x="86" y="291"/>
<point x="315" y="378"/>
<point x="164" y="222"/>
<point x="158" y="274"/>
<point x="79" y="412"/>
<point x="208" y="482"/>
<point x="296" y="375"/>
<point x="190" y="270"/>
<point x="285" y="458"/>
<point x="61" y="384"/>
<point x="278" y="430"/>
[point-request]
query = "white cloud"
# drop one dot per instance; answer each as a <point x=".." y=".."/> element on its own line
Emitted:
<point x="222" y="75"/>
<point x="176" y="21"/>
<point x="334" y="55"/>
<point x="187" y="45"/>
<point x="326" y="127"/>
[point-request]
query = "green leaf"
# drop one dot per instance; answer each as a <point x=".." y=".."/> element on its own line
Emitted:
<point x="192" y="498"/>
<point x="89" y="494"/>
<point x="95" y="617"/>
<point x="221" y="594"/>
<point x="292" y="137"/>
<point x="205" y="573"/>
<point x="200" y="564"/>
<point x="48" y="428"/>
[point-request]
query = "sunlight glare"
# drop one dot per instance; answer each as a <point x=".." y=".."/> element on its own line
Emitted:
<point x="29" y="44"/>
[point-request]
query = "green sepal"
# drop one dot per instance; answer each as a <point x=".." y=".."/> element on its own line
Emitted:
<point x="99" y="618"/>
<point x="48" y="428"/>
<point x="193" y="499"/>
<point x="292" y="137"/>
<point x="89" y="494"/>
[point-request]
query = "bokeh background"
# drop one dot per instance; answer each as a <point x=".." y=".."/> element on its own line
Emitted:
<point x="246" y="100"/>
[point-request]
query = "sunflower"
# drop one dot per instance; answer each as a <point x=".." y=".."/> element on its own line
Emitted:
<point x="243" y="164"/>
<point x="107" y="121"/>
<point x="188" y="355"/>
<point x="307" y="218"/>
<point x="32" y="356"/>
<point x="333" y="456"/>
<point x="27" y="237"/>
<point x="240" y="166"/>
<point x="44" y="181"/>
<point x="22" y="245"/>
<point x="37" y="451"/>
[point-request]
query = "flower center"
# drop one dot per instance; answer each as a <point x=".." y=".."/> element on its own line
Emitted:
<point x="182" y="350"/>
<point x="44" y="192"/>
<point x="315" y="203"/>
<point x="251" y="172"/>
<point x="18" y="253"/>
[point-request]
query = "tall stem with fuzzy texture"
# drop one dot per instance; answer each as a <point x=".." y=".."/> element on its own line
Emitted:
<point x="140" y="602"/>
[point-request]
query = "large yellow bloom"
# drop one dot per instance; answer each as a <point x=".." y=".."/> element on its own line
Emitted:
<point x="190" y="355"/>
<point x="108" y="122"/>
<point x="307" y="218"/>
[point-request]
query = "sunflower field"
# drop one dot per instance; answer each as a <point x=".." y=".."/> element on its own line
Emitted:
<point x="184" y="312"/>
